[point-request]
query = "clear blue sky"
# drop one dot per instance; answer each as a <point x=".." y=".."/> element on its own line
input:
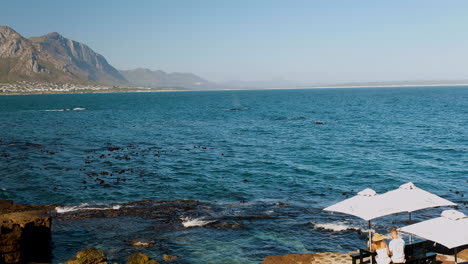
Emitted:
<point x="308" y="41"/>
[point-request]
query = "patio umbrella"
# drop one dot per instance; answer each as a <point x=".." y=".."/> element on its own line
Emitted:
<point x="409" y="198"/>
<point x="450" y="230"/>
<point x="367" y="205"/>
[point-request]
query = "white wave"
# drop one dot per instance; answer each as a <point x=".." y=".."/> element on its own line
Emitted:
<point x="193" y="222"/>
<point x="66" y="209"/>
<point x="83" y="207"/>
<point x="338" y="227"/>
<point x="66" y="109"/>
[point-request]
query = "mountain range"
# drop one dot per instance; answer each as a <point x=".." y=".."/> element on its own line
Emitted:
<point x="56" y="59"/>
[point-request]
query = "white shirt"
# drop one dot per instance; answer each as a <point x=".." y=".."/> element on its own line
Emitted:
<point x="397" y="247"/>
<point x="382" y="256"/>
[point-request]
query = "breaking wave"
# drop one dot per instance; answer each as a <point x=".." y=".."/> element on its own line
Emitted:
<point x="194" y="222"/>
<point x="66" y="109"/>
<point x="84" y="207"/>
<point x="338" y="227"/>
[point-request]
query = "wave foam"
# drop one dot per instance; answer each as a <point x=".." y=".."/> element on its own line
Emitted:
<point x="193" y="222"/>
<point x="338" y="227"/>
<point x="83" y="207"/>
<point x="66" y="109"/>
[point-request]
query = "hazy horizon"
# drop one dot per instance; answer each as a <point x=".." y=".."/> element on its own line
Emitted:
<point x="305" y="42"/>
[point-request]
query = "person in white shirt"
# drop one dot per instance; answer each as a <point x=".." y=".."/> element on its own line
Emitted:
<point x="396" y="247"/>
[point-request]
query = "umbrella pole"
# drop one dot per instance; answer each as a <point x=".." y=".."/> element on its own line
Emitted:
<point x="455" y="255"/>
<point x="369" y="243"/>
<point x="411" y="235"/>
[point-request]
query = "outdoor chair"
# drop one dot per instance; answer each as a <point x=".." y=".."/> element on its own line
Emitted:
<point x="364" y="256"/>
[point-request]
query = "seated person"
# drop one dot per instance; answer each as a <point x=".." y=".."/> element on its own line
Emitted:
<point x="396" y="247"/>
<point x="381" y="248"/>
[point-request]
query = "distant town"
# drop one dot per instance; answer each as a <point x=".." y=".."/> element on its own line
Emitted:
<point x="26" y="87"/>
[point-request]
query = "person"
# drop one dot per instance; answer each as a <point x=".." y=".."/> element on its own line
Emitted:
<point x="381" y="248"/>
<point x="396" y="247"/>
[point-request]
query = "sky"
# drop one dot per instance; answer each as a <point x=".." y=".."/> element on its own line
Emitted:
<point x="309" y="42"/>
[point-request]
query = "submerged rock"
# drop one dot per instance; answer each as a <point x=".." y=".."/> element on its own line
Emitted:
<point x="88" y="256"/>
<point x="224" y="225"/>
<point x="140" y="258"/>
<point x="142" y="242"/>
<point x="169" y="258"/>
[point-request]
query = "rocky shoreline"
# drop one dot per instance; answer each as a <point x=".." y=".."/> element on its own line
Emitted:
<point x="25" y="233"/>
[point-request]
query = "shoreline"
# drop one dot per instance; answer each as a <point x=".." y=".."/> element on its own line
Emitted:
<point x="39" y="219"/>
<point x="103" y="91"/>
<point x="92" y="92"/>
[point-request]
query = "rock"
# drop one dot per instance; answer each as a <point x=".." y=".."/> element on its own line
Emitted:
<point x="290" y="259"/>
<point x="319" y="258"/>
<point x="169" y="258"/>
<point x="223" y="225"/>
<point x="24" y="234"/>
<point x="88" y="256"/>
<point x="140" y="258"/>
<point x="142" y="242"/>
<point x="5" y="204"/>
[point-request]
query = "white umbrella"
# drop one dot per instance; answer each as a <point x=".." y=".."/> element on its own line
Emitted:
<point x="409" y="198"/>
<point x="450" y="230"/>
<point x="367" y="204"/>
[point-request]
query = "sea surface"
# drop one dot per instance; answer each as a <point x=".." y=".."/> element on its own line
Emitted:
<point x="266" y="162"/>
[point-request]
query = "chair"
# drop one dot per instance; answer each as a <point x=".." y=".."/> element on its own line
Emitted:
<point x="364" y="256"/>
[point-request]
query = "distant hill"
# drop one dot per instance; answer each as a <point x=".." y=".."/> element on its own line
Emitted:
<point x="56" y="59"/>
<point x="149" y="78"/>
<point x="52" y="58"/>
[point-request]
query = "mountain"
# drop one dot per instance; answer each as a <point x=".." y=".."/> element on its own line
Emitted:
<point x="52" y="58"/>
<point x="55" y="59"/>
<point x="149" y="78"/>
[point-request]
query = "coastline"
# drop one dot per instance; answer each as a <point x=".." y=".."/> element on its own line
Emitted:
<point x="231" y="89"/>
<point x="92" y="92"/>
<point x="38" y="235"/>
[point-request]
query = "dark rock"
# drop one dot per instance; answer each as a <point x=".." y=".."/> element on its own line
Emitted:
<point x="140" y="258"/>
<point x="225" y="225"/>
<point x="4" y="204"/>
<point x="24" y="233"/>
<point x="88" y="256"/>
<point x="113" y="148"/>
<point x="280" y="204"/>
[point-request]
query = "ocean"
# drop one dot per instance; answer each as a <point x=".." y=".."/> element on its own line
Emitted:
<point x="262" y="165"/>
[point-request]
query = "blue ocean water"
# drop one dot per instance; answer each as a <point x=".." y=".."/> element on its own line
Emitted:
<point x="277" y="156"/>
